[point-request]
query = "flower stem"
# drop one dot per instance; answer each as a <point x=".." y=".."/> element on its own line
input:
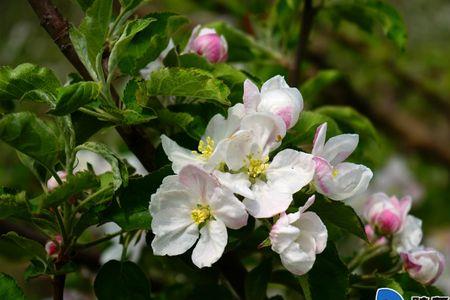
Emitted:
<point x="303" y="280"/>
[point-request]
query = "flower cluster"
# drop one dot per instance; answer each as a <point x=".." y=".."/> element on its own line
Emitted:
<point x="388" y="220"/>
<point x="235" y="172"/>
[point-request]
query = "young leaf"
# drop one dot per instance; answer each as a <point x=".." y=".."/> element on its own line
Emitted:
<point x="28" y="134"/>
<point x="121" y="280"/>
<point x="196" y="85"/>
<point x="131" y="212"/>
<point x="74" y="96"/>
<point x="23" y="247"/>
<point x="74" y="185"/>
<point x="368" y="13"/>
<point x="95" y="25"/>
<point x="120" y="47"/>
<point x="257" y="280"/>
<point x="147" y="44"/>
<point x="329" y="277"/>
<point x="13" y="205"/>
<point x="119" y="169"/>
<point x="27" y="78"/>
<point x="80" y="45"/>
<point x="9" y="288"/>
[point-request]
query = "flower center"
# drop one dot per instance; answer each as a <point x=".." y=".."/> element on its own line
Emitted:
<point x="256" y="166"/>
<point x="206" y="148"/>
<point x="201" y="214"/>
<point x="335" y="172"/>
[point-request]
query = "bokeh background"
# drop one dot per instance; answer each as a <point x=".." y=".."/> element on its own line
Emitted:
<point x="406" y="94"/>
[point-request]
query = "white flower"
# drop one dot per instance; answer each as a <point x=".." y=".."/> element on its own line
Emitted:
<point x="387" y="214"/>
<point x="267" y="186"/>
<point x="275" y="97"/>
<point x="53" y="184"/>
<point x="298" y="237"/>
<point x="424" y="265"/>
<point x="410" y="236"/>
<point x="212" y="145"/>
<point x="334" y="178"/>
<point x="190" y="205"/>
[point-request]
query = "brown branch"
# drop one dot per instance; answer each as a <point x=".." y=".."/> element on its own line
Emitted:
<point x="305" y="30"/>
<point x="58" y="29"/>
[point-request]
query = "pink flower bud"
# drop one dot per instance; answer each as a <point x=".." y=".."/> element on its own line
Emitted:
<point x="52" y="247"/>
<point x="207" y="43"/>
<point x="53" y="184"/>
<point x="424" y="265"/>
<point x="387" y="215"/>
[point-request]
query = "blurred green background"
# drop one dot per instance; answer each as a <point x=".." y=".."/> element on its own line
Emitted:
<point x="404" y="93"/>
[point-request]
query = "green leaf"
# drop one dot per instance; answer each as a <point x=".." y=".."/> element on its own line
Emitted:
<point x="80" y="45"/>
<point x="74" y="96"/>
<point x="368" y="13"/>
<point x="85" y="4"/>
<point x="27" y="78"/>
<point x="146" y="45"/>
<point x="257" y="280"/>
<point x="303" y="132"/>
<point x="340" y="215"/>
<point x="369" y="150"/>
<point x="95" y="25"/>
<point x="28" y="134"/>
<point x="131" y="212"/>
<point x="23" y="247"/>
<point x="233" y="78"/>
<point x="304" y="283"/>
<point x="311" y="88"/>
<point x="194" y="84"/>
<point x="121" y="281"/>
<point x="118" y="166"/>
<point x="329" y="277"/>
<point x="190" y="124"/>
<point x="411" y="287"/>
<point x="9" y="290"/>
<point x="75" y="184"/>
<point x="129" y="4"/>
<point x="120" y="47"/>
<point x="13" y="205"/>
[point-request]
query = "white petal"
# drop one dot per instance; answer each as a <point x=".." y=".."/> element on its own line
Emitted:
<point x="310" y="223"/>
<point x="251" y="96"/>
<point x="199" y="182"/>
<point x="319" y="139"/>
<point x="171" y="183"/>
<point x="238" y="183"/>
<point x="175" y="242"/>
<point x="268" y="130"/>
<point x="194" y="35"/>
<point x="282" y="234"/>
<point x="238" y="148"/>
<point x="343" y="181"/>
<point x="290" y="170"/>
<point x="276" y="82"/>
<point x="338" y="148"/>
<point x="410" y="236"/>
<point x="210" y="246"/>
<point x="267" y="201"/>
<point x="227" y="208"/>
<point x="299" y="257"/>
<point x="171" y="199"/>
<point x="220" y="128"/>
<point x="179" y="156"/>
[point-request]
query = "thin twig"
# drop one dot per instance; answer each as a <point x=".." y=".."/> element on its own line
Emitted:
<point x="306" y="25"/>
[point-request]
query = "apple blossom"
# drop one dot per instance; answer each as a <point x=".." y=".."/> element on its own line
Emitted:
<point x="211" y="146"/>
<point x="190" y="205"/>
<point x="298" y="237"/>
<point x="387" y="214"/>
<point x="275" y="97"/>
<point x="334" y="178"/>
<point x="423" y="264"/>
<point x="53" y="184"/>
<point x="267" y="186"/>
<point x="207" y="43"/>
<point x="410" y="236"/>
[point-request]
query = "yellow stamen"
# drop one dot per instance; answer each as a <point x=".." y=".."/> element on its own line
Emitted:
<point x="257" y="167"/>
<point x="201" y="214"/>
<point x="335" y="172"/>
<point x="206" y="149"/>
